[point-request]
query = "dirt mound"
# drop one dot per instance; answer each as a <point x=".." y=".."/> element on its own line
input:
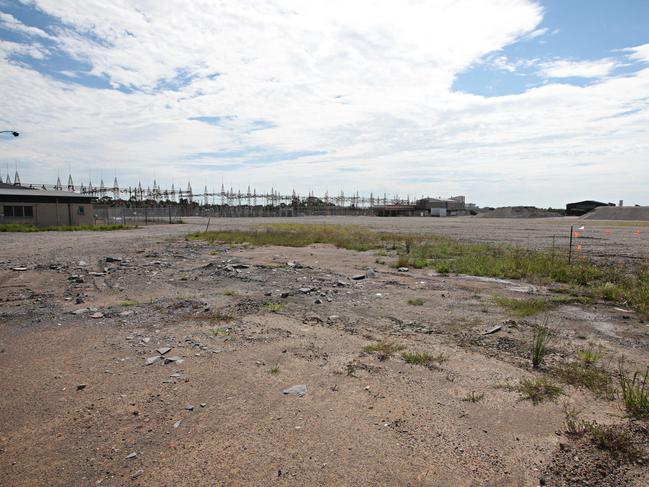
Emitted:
<point x="634" y="213"/>
<point x="518" y="212"/>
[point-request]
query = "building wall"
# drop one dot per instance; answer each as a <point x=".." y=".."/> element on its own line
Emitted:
<point x="51" y="214"/>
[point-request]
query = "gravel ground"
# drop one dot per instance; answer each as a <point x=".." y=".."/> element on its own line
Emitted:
<point x="81" y="407"/>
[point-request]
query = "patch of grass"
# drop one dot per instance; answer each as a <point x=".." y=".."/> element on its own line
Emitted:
<point x="184" y="276"/>
<point x="274" y="369"/>
<point x="228" y="292"/>
<point x="635" y="393"/>
<point x="473" y="397"/>
<point x="20" y="227"/>
<point x="383" y="350"/>
<point x="273" y="307"/>
<point x="216" y="252"/>
<point x="448" y="255"/>
<point x="589" y="356"/>
<point x="220" y="317"/>
<point x="538" y="389"/>
<point x="596" y="379"/>
<point x="523" y="307"/>
<point x="539" y="342"/>
<point x="416" y="302"/>
<point x="221" y="331"/>
<point x="610" y="438"/>
<point x="129" y="303"/>
<point x="423" y="358"/>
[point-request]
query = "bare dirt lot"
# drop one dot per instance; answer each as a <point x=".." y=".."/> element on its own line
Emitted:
<point x="79" y="405"/>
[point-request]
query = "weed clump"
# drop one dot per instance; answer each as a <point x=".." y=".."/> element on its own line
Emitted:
<point x="538" y="389"/>
<point x="383" y="350"/>
<point x="635" y="393"/>
<point x="539" y="343"/>
<point x="416" y="302"/>
<point x="523" y="307"/>
<point x="274" y="307"/>
<point x="423" y="358"/>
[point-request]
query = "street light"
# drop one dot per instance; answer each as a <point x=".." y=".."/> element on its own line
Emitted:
<point x="12" y="132"/>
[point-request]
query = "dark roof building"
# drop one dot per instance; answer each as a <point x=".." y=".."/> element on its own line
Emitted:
<point x="582" y="207"/>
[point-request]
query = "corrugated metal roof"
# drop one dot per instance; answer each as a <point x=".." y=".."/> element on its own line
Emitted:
<point x="42" y="193"/>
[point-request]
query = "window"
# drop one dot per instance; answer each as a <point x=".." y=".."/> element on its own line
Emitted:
<point x="19" y="211"/>
<point x="82" y="210"/>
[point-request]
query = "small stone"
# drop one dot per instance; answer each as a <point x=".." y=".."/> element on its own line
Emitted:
<point x="83" y="263"/>
<point x="96" y="274"/>
<point x="163" y="350"/>
<point x="177" y="423"/>
<point x="97" y="315"/>
<point x="146" y="340"/>
<point x="318" y="301"/>
<point x="81" y="387"/>
<point x="403" y="269"/>
<point x="358" y="277"/>
<point x="370" y="272"/>
<point x="19" y="269"/>
<point x="137" y="474"/>
<point x="152" y="360"/>
<point x="203" y="404"/>
<point x="175" y="358"/>
<point x="284" y="295"/>
<point x="131" y="455"/>
<point x="80" y="311"/>
<point x="297" y="390"/>
<point x="493" y="330"/>
<point x="189" y="407"/>
<point x="124" y="314"/>
<point x="113" y="259"/>
<point x="305" y="290"/>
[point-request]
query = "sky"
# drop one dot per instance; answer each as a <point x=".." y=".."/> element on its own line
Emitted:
<point x="505" y="101"/>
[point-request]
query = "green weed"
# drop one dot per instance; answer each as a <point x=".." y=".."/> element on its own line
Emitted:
<point x="383" y="350"/>
<point x="128" y="303"/>
<point x="423" y="358"/>
<point x="523" y="307"/>
<point x="539" y="389"/>
<point x="539" y="342"/>
<point x="274" y="307"/>
<point x="416" y="302"/>
<point x="635" y="393"/>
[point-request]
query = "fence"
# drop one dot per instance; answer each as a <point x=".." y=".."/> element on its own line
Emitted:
<point x="107" y="215"/>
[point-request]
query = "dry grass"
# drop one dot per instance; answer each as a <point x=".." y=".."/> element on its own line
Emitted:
<point x="383" y="350"/>
<point x="423" y="358"/>
<point x="538" y="389"/>
<point x="523" y="307"/>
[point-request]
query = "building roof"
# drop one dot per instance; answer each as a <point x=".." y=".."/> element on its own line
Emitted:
<point x="40" y="193"/>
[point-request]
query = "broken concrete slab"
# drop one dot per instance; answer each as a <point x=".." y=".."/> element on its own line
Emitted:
<point x="152" y="360"/>
<point x="297" y="390"/>
<point x="163" y="350"/>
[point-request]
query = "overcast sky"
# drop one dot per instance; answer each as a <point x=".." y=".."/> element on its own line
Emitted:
<point x="504" y="101"/>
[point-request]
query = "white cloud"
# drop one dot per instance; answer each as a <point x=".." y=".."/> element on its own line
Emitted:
<point x="564" y="68"/>
<point x="639" y="53"/>
<point x="366" y="82"/>
<point x="8" y="21"/>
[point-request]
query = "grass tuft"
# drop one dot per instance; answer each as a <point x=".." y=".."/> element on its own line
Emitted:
<point x="635" y="393"/>
<point x="129" y="303"/>
<point x="423" y="358"/>
<point x="274" y="307"/>
<point x="538" y="389"/>
<point x="596" y="379"/>
<point x="539" y="342"/>
<point x="228" y="292"/>
<point x="274" y="369"/>
<point x="383" y="350"/>
<point x="416" y="302"/>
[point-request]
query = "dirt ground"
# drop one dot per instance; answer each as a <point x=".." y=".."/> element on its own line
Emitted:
<point x="79" y="405"/>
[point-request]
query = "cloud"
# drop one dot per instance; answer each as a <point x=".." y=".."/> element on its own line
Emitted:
<point x="10" y="22"/>
<point x="287" y="93"/>
<point x="639" y="53"/>
<point x="564" y="68"/>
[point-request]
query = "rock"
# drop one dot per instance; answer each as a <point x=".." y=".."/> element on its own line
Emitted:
<point x="163" y="350"/>
<point x="152" y="360"/>
<point x="493" y="330"/>
<point x="81" y="387"/>
<point x="146" y="340"/>
<point x="305" y="290"/>
<point x="96" y="273"/>
<point x="341" y="283"/>
<point x="124" y="314"/>
<point x="113" y="259"/>
<point x="80" y="311"/>
<point x="318" y="301"/>
<point x="358" y="277"/>
<point x="370" y="273"/>
<point x="284" y="295"/>
<point x="137" y="474"/>
<point x="297" y="390"/>
<point x="177" y="423"/>
<point x="403" y="269"/>
<point x="131" y="455"/>
<point x="240" y="266"/>
<point x="19" y="269"/>
<point x="175" y="358"/>
<point x="83" y="263"/>
<point x="97" y="315"/>
<point x="189" y="407"/>
<point x="203" y="404"/>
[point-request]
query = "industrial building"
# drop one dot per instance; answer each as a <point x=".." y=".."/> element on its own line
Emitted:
<point x="582" y="207"/>
<point x="426" y="207"/>
<point x="44" y="208"/>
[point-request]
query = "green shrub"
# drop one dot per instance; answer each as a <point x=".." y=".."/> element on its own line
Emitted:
<point x="539" y="342"/>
